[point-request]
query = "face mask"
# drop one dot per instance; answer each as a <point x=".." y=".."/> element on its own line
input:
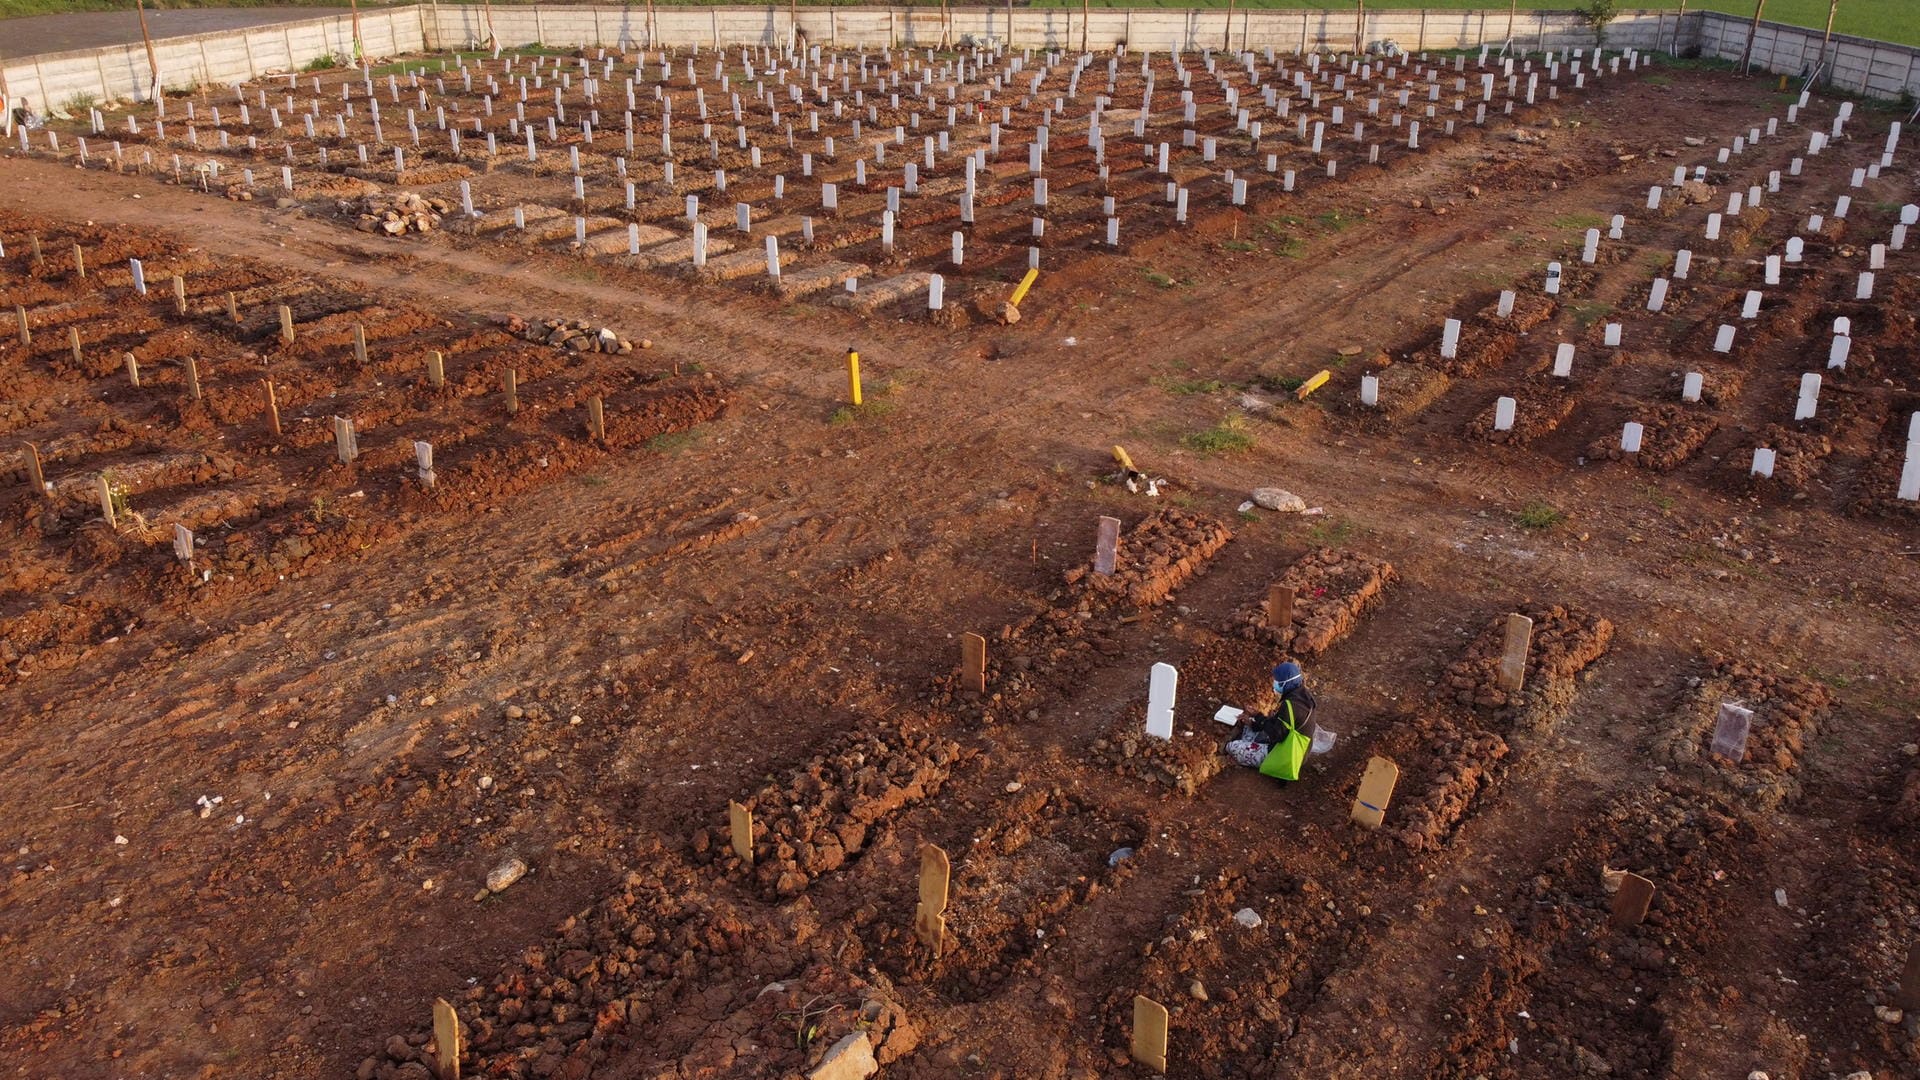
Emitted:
<point x="1277" y="689"/>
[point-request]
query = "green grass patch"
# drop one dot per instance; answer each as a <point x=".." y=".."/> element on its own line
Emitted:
<point x="1189" y="387"/>
<point x="1588" y="312"/>
<point x="1239" y="245"/>
<point x="1155" y="277"/>
<point x="1578" y="221"/>
<point x="673" y="442"/>
<point x="854" y="414"/>
<point x="1539" y="515"/>
<point x="1330" y="533"/>
<point x="1336" y="220"/>
<point x="1229" y="436"/>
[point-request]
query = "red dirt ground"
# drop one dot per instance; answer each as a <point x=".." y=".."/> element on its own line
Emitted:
<point x="577" y="652"/>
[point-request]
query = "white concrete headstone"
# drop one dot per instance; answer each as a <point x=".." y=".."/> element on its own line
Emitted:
<point x="1161" y="685"/>
<point x="1630" y="437"/>
<point x="1809" y="402"/>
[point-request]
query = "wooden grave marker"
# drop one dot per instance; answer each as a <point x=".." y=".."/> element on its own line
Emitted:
<point x="193" y="379"/>
<point x="1376" y="792"/>
<point x="512" y="386"/>
<point x="359" y="344"/>
<point x="446" y="1041"/>
<point x="73" y="342"/>
<point x="273" y="407"/>
<point x="1631" y="902"/>
<point x="930" y="917"/>
<point x="346" y="443"/>
<point x="79" y="262"/>
<point x="35" y="476"/>
<point x="596" y="419"/>
<point x="133" y="370"/>
<point x="1280" y="611"/>
<point x="26" y="333"/>
<point x="1513" y="655"/>
<point x="1106" y="550"/>
<point x="106" y="502"/>
<point x="179" y="295"/>
<point x="286" y="321"/>
<point x="436" y="369"/>
<point x="1150" y="1033"/>
<point x="973" y="663"/>
<point x="182" y="543"/>
<point x="423" y="464"/>
<point x="1730" y="732"/>
<point x="740" y="830"/>
<point x="33" y="242"/>
<point x="233" y="308"/>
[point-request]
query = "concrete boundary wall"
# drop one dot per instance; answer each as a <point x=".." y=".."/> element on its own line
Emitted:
<point x="120" y="72"/>
<point x="1855" y="65"/>
<point x="1860" y="65"/>
<point x="1053" y="28"/>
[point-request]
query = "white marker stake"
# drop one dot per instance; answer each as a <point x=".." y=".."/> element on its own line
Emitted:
<point x="1691" y="385"/>
<point x="1723" y="339"/>
<point x="1503" y="412"/>
<point x="1553" y="279"/>
<point x="1160" y="689"/>
<point x="1450" y="340"/>
<point x="1612" y="338"/>
<point x="1657" y="296"/>
<point x="1506" y="303"/>
<point x="1630" y="437"/>
<point x="1370" y="391"/>
<point x="1682" y="264"/>
<point x="1837" y="353"/>
<point x="1763" y="463"/>
<point x="1809" y="396"/>
<point x="1563" y="361"/>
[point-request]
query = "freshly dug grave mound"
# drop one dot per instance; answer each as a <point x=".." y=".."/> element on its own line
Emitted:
<point x="1540" y="406"/>
<point x="822" y="817"/>
<point x="1013" y="890"/>
<point x="1565" y="641"/>
<point x="1333" y="591"/>
<point x="1445" y="764"/>
<point x="1673" y="433"/>
<point x="1156" y="557"/>
<point x="1055" y="648"/>
<point x="1224" y="671"/>
<point x="1787" y="710"/>
<point x="624" y="966"/>
<point x="1233" y="992"/>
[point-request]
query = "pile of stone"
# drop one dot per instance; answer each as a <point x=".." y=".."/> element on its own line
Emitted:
<point x="574" y="335"/>
<point x="397" y="213"/>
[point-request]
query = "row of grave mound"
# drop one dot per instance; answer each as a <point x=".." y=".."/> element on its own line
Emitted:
<point x="823" y="816"/>
<point x="1333" y="592"/>
<point x="1051" y="650"/>
<point x="1457" y="744"/>
<point x="662" y="979"/>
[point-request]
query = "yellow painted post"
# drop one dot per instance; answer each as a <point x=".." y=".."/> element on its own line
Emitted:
<point x="1313" y="384"/>
<point x="1026" y="283"/>
<point x="853" y="374"/>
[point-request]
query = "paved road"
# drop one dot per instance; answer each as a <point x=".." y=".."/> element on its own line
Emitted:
<point x="92" y="29"/>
